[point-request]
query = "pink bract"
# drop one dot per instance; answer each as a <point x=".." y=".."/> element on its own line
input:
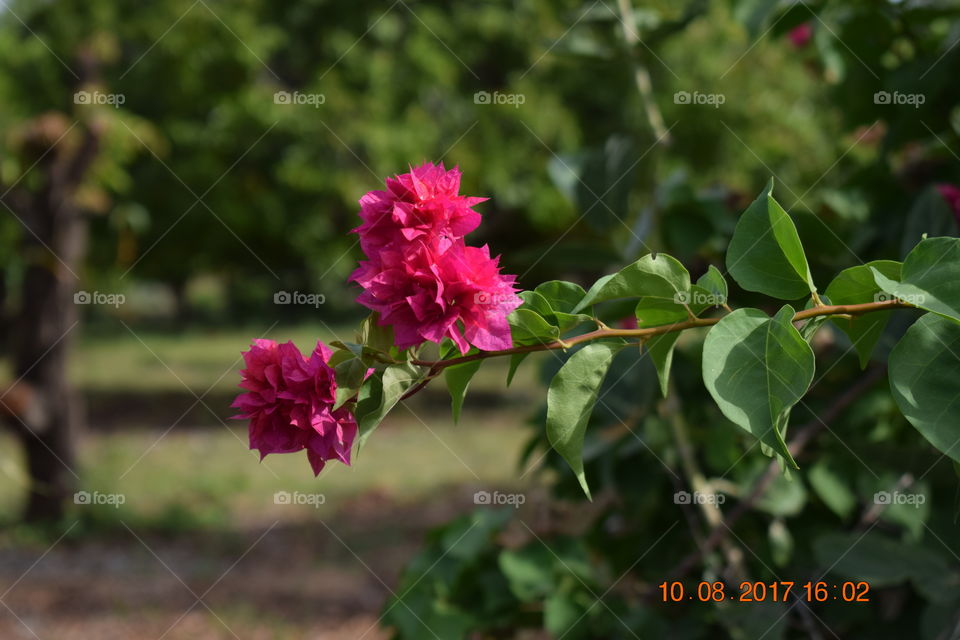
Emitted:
<point x="420" y="275"/>
<point x="423" y="205"/>
<point x="289" y="402"/>
<point x="800" y="35"/>
<point x="429" y="295"/>
<point x="951" y="193"/>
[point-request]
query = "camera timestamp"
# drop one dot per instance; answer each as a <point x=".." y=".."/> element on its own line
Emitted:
<point x="780" y="591"/>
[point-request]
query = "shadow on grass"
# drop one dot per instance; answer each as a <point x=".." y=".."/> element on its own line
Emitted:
<point x="108" y="411"/>
<point x="336" y="565"/>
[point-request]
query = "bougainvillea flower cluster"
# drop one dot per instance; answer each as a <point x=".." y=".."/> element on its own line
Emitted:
<point x="423" y="280"/>
<point x="801" y="35"/>
<point x="419" y="273"/>
<point x="951" y="194"/>
<point x="289" y="401"/>
<point x="421" y="205"/>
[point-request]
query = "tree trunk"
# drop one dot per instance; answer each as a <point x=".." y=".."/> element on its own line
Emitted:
<point x="181" y="312"/>
<point x="4" y="321"/>
<point x="54" y="244"/>
<point x="46" y="322"/>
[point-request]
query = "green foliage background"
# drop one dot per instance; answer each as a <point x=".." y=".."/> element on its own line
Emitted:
<point x="204" y="178"/>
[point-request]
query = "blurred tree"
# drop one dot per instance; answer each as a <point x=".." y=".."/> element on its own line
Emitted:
<point x="52" y="178"/>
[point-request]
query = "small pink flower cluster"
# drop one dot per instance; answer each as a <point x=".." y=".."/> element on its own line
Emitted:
<point x="801" y="35"/>
<point x="289" y="402"/>
<point x="951" y="194"/>
<point x="420" y="275"/>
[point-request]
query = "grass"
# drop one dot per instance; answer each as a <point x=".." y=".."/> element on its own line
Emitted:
<point x="148" y="361"/>
<point x="199" y="359"/>
<point x="204" y="475"/>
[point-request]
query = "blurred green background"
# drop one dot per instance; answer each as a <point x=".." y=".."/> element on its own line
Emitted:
<point x="208" y="157"/>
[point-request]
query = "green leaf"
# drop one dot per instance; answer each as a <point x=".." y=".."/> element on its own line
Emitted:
<point x="592" y="293"/>
<point x="563" y="298"/>
<point x="660" y="349"/>
<point x="658" y="311"/>
<point x="857" y="285"/>
<point x="563" y="616"/>
<point x="930" y="277"/>
<point x="756" y="368"/>
<point x="536" y="302"/>
<point x="714" y="282"/>
<point x="368" y="411"/>
<point x="652" y="311"/>
<point x="458" y="379"/>
<point x="924" y="381"/>
<point x="378" y="338"/>
<point x="449" y="349"/>
<point x="339" y="356"/>
<point x="380" y="393"/>
<point x="349" y="347"/>
<point x="765" y="254"/>
<point x="781" y="542"/>
<point x="554" y="300"/>
<point x="570" y="399"/>
<point x="529" y="327"/>
<point x="783" y="498"/>
<point x="529" y="571"/>
<point x="879" y="560"/>
<point x="660" y="276"/>
<point x="515" y="361"/>
<point x="810" y="328"/>
<point x="349" y="375"/>
<point x="832" y="490"/>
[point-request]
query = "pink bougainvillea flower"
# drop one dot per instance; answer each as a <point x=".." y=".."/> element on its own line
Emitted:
<point x="800" y="35"/>
<point x="482" y="295"/>
<point x="289" y="402"/>
<point x="428" y="294"/>
<point x="423" y="204"/>
<point x="420" y="275"/>
<point x="951" y="193"/>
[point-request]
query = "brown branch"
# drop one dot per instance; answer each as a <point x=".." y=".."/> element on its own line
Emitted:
<point x="643" y="334"/>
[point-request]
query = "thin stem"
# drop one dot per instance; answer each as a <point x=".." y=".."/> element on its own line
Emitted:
<point x="804" y="435"/>
<point x="640" y="74"/>
<point x="699" y="484"/>
<point x="644" y="334"/>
